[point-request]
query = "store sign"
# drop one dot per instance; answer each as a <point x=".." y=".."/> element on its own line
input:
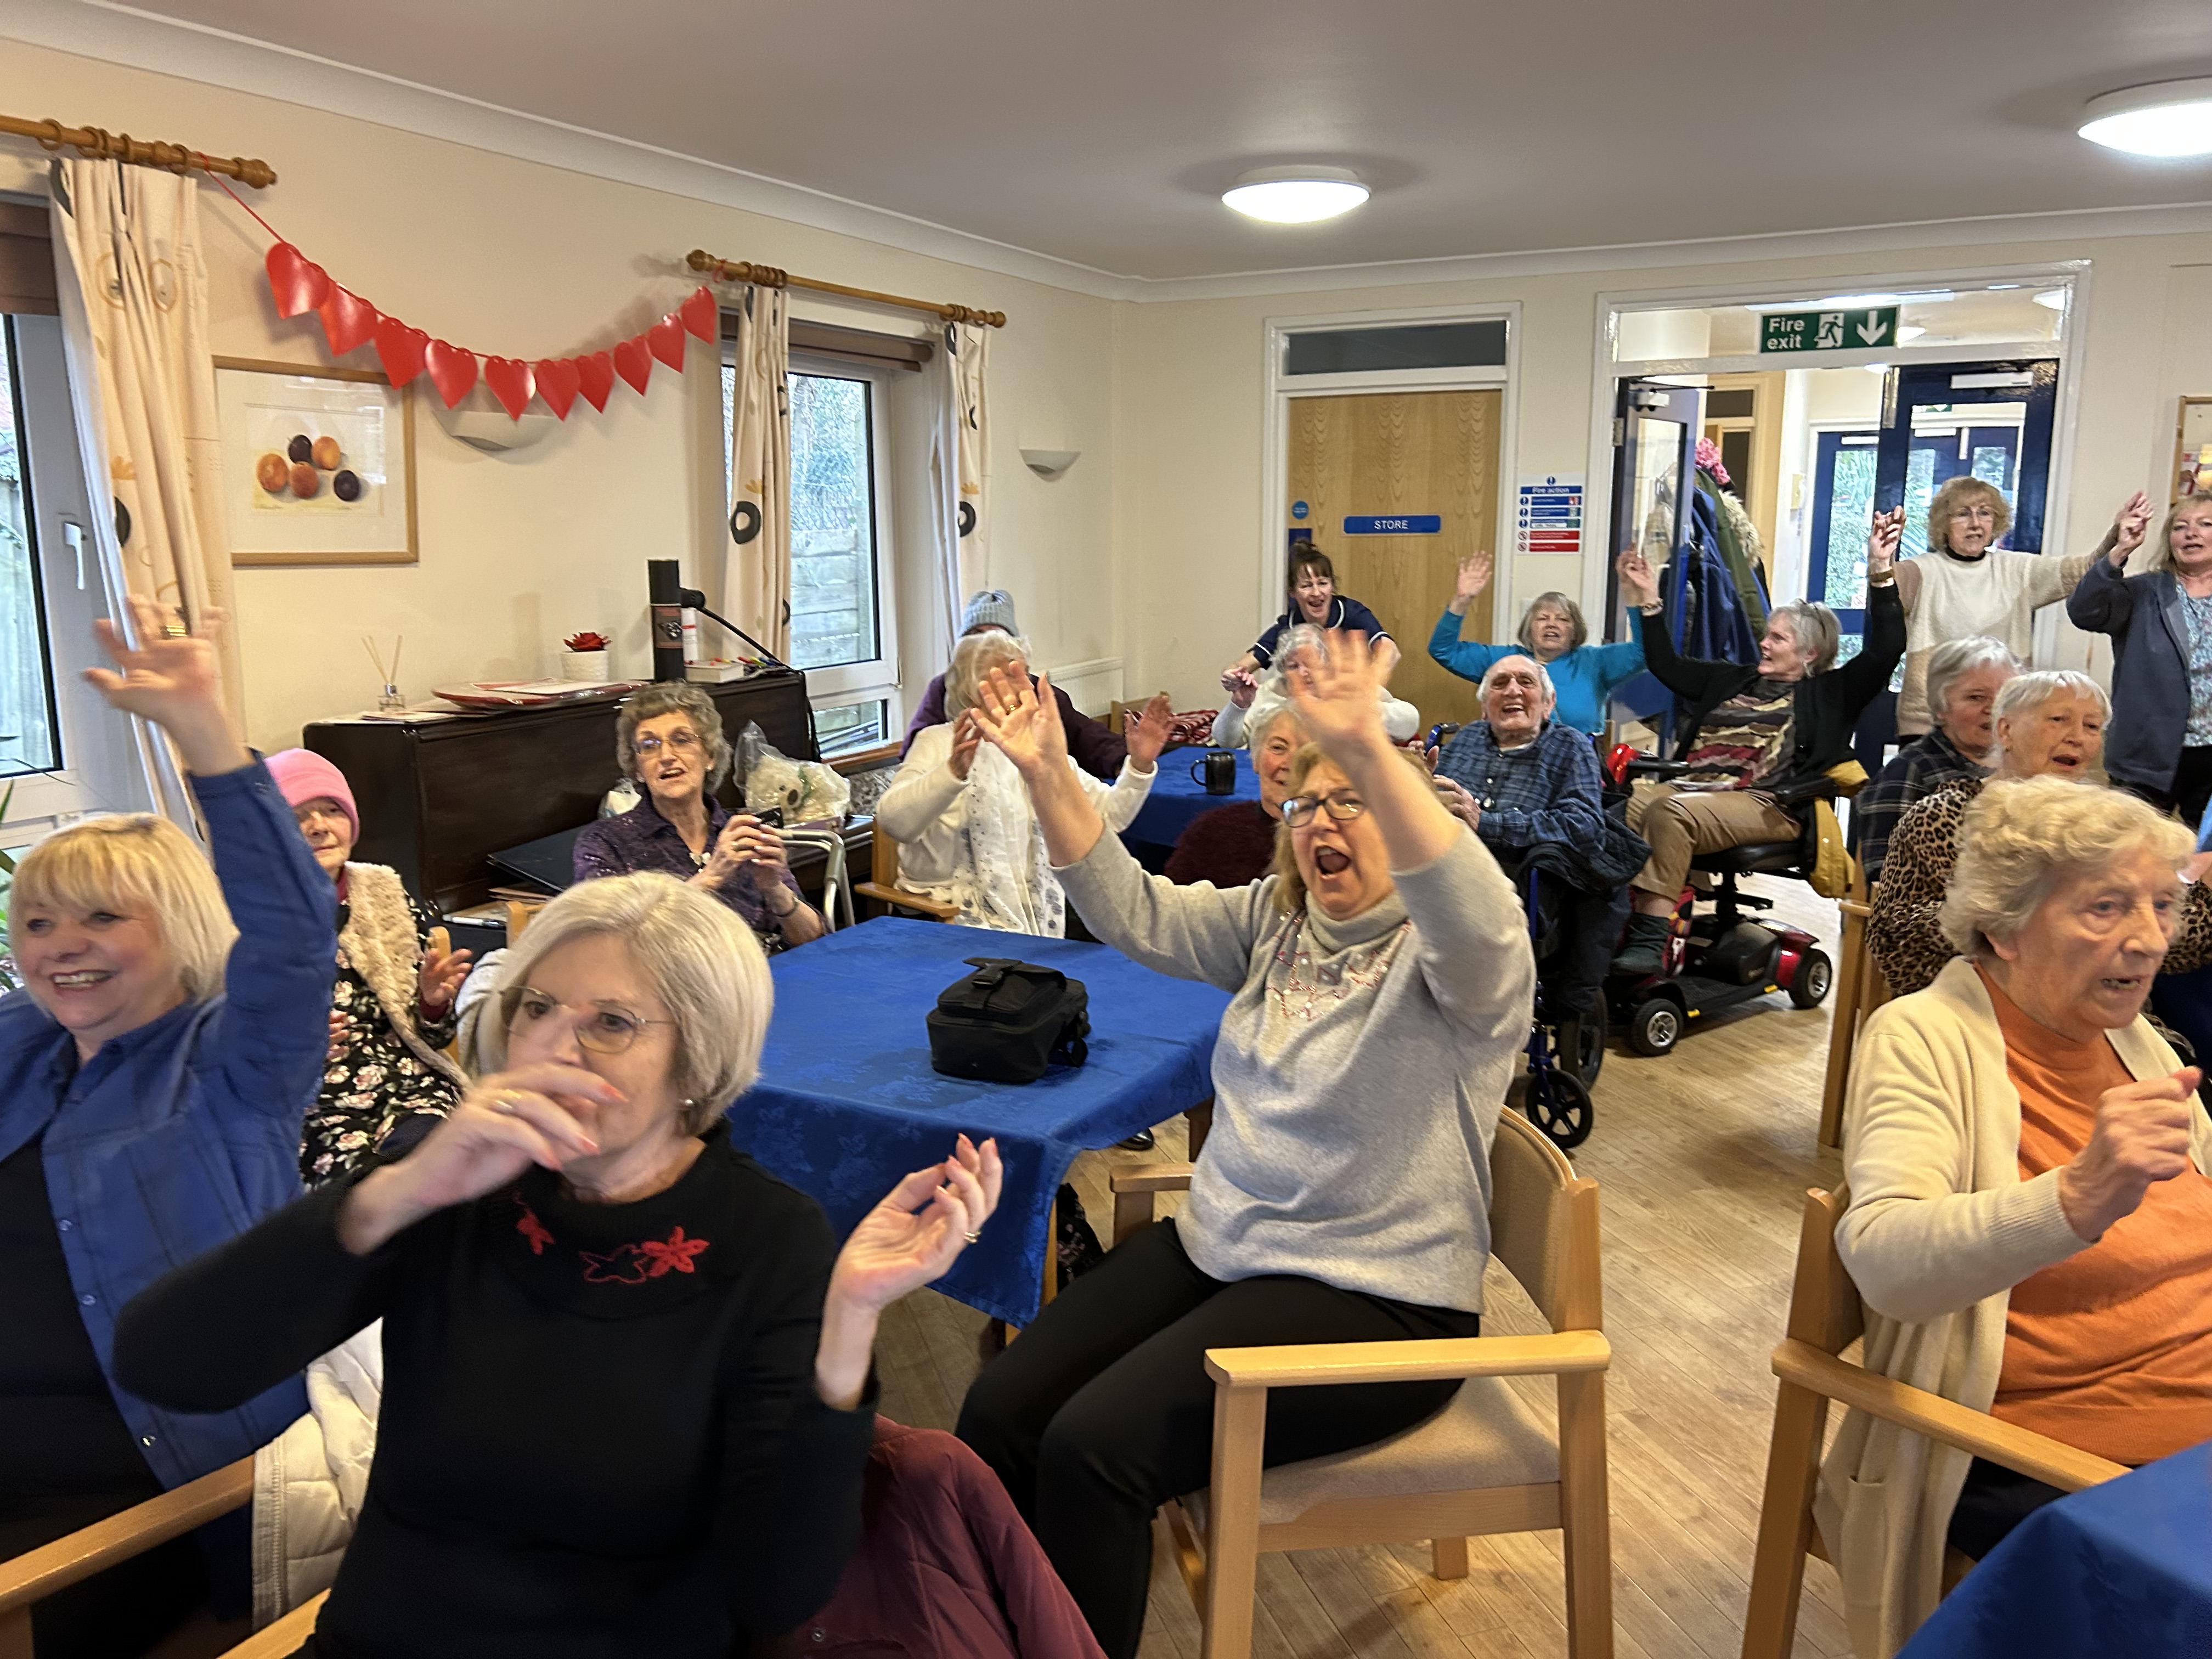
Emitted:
<point x="1403" y="524"/>
<point x="1827" y="331"/>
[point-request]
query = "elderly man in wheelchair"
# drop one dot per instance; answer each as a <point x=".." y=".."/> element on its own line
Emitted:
<point x="1761" y="743"/>
<point x="1529" y="786"/>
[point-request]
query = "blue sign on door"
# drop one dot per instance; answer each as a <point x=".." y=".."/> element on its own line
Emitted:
<point x="1299" y="509"/>
<point x="1399" y="524"/>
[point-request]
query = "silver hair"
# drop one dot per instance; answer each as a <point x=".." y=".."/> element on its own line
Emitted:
<point x="698" y="956"/>
<point x="973" y="659"/>
<point x="673" y="697"/>
<point x="2022" y="835"/>
<point x="2035" y="688"/>
<point x="1949" y="661"/>
<point x="1818" y="633"/>
<point x="1558" y="601"/>
<point x="1543" y="675"/>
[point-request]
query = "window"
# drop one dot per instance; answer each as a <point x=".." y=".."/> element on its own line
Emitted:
<point x="27" y="683"/>
<point x="852" y="725"/>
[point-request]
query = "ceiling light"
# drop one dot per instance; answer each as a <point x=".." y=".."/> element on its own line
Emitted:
<point x="1295" y="196"/>
<point x="1910" y="332"/>
<point x="2052" y="299"/>
<point x="2168" y="119"/>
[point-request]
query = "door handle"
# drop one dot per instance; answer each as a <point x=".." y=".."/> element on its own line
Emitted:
<point x="73" y="537"/>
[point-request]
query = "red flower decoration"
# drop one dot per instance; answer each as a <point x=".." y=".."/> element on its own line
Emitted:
<point x="533" y="1230"/>
<point x="674" y="1257"/>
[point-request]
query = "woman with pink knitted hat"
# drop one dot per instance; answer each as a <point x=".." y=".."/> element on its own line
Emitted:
<point x="391" y="1014"/>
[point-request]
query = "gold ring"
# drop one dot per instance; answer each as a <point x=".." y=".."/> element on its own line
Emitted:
<point x="175" y="630"/>
<point x="973" y="1238"/>
<point x="504" y="1102"/>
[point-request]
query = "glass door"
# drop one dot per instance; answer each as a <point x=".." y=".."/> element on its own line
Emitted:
<point x="1654" y="435"/>
<point x="1941" y="421"/>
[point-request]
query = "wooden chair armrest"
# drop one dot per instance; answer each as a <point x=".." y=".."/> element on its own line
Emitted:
<point x="1154" y="1178"/>
<point x="33" y="1577"/>
<point x="1853" y="907"/>
<point x="936" y="908"/>
<point x="2035" y="1455"/>
<point x="283" y="1638"/>
<point x="1305" y="1364"/>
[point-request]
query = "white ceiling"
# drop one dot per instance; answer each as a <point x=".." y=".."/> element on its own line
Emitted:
<point x="1102" y="134"/>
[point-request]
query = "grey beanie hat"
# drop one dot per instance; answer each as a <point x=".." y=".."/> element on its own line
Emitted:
<point x="991" y="608"/>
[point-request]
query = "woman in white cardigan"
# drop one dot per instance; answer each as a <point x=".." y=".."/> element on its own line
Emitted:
<point x="966" y="834"/>
<point x="2029" y="1218"/>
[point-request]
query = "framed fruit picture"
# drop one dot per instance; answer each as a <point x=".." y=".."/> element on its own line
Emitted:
<point x="318" y="465"/>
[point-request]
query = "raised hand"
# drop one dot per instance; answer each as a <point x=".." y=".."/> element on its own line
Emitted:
<point x="1884" y="536"/>
<point x="174" y="678"/>
<point x="1022" y="721"/>
<point x="1146" y="730"/>
<point x="1338" y="691"/>
<point x="443" y="970"/>
<point x="1475" y="572"/>
<point x="967" y="739"/>
<point x="2130" y="525"/>
<point x="1242" y="686"/>
<point x="2141" y="1136"/>
<point x="920" y="1229"/>
<point x="1638" y="587"/>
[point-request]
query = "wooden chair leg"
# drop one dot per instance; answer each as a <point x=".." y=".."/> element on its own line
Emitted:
<point x="1843" y="1037"/>
<point x="1198" y="1123"/>
<point x="1786" y="1523"/>
<point x="16" y="1633"/>
<point x="1448" y="1556"/>
<point x="1586" y="1524"/>
<point x="1132" y="1211"/>
<point x="1232" y="1523"/>
<point x="1051" y="1286"/>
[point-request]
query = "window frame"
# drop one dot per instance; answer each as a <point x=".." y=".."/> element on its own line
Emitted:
<point x="42" y="613"/>
<point x="876" y="675"/>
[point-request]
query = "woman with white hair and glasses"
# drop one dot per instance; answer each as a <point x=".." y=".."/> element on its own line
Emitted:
<point x="2050" y="723"/>
<point x="2030" y="1218"/>
<point x="1554" y="633"/>
<point x="1964" y="678"/>
<point x="962" y="821"/>
<point x="627" y="1392"/>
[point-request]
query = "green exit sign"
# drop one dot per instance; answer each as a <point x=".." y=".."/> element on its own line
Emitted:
<point x="1827" y="331"/>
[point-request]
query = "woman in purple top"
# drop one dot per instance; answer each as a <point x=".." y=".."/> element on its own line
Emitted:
<point x="669" y="741"/>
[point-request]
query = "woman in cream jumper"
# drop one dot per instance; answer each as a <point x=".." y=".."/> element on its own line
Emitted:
<point x="2030" y="1218"/>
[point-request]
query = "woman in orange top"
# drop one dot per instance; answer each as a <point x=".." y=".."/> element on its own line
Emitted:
<point x="2030" y="1222"/>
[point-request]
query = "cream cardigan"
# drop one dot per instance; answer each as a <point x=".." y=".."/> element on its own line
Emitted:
<point x="1939" y="1229"/>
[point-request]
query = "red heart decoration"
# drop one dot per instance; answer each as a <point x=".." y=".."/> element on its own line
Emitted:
<point x="701" y="314"/>
<point x="401" y="349"/>
<point x="595" y="378"/>
<point x="452" y="370"/>
<point x="298" y="284"/>
<point x="557" y="379"/>
<point x="348" y="321"/>
<point x="666" y="338"/>
<point x="634" y="362"/>
<point x="511" y="382"/>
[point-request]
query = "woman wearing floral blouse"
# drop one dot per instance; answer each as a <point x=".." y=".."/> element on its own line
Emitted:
<point x="391" y="1014"/>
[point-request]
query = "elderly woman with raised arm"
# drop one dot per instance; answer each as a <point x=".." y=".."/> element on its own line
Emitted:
<point x="1964" y="678"/>
<point x="1381" y="983"/>
<point x="2030" y="1223"/>
<point x="626" y="1371"/>
<point x="1554" y="634"/>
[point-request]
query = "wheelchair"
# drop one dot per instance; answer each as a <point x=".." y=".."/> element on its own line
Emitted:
<point x="1719" y="959"/>
<point x="1566" y="1042"/>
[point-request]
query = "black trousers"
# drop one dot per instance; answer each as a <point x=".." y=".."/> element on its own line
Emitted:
<point x="1994" y="1500"/>
<point x="1102" y="1410"/>
<point x="2189" y="791"/>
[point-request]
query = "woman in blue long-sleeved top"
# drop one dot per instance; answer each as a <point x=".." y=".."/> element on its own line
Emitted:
<point x="153" y="1078"/>
<point x="1554" y="633"/>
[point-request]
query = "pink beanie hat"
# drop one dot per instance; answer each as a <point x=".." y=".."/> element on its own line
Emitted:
<point x="303" y="776"/>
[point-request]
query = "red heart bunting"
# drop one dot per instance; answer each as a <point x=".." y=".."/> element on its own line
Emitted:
<point x="348" y="321"/>
<point x="634" y="362"/>
<point x="701" y="314"/>
<point x="298" y="285"/>
<point x="557" y="379"/>
<point x="452" y="370"/>
<point x="666" y="338"/>
<point x="401" y="349"/>
<point x="595" y="379"/>
<point x="511" y="382"/>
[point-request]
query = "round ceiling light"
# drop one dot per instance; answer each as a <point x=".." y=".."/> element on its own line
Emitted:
<point x="1295" y="196"/>
<point x="2170" y="118"/>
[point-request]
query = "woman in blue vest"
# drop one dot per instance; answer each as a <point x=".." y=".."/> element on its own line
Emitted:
<point x="1555" y="635"/>
<point x="154" y="1073"/>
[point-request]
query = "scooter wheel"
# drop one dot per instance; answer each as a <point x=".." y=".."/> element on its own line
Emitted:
<point x="1655" y="1026"/>
<point x="1808" y="986"/>
<point x="1558" y="1104"/>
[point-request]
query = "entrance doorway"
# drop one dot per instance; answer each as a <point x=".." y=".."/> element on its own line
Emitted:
<point x="1396" y="487"/>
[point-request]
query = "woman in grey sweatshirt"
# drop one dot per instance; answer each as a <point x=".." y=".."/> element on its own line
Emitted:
<point x="1382" y="980"/>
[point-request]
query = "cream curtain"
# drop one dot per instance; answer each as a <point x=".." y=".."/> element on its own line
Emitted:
<point x="960" y="474"/>
<point x="132" y="291"/>
<point x="757" y="559"/>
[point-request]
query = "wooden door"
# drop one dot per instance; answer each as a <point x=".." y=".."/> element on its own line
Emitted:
<point x="1397" y="454"/>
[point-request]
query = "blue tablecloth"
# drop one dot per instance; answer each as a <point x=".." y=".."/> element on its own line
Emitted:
<point x="2123" y="1568"/>
<point x="847" y="1102"/>
<point x="1178" y="797"/>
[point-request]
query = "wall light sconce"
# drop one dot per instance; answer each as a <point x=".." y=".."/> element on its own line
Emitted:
<point x="1049" y="462"/>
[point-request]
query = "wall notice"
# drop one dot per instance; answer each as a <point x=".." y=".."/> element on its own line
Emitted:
<point x="1549" y="518"/>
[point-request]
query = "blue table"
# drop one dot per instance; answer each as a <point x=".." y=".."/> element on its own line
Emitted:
<point x="2123" y="1568"/>
<point x="1178" y="797"/>
<point x="847" y="1102"/>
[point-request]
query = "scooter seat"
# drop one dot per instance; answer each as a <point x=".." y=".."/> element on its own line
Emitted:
<point x="1761" y="858"/>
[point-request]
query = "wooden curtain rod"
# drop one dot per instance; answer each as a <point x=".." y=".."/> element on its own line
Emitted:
<point x="97" y="142"/>
<point x="744" y="270"/>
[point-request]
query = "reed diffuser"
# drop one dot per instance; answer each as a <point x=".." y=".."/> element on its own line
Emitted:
<point x="388" y="701"/>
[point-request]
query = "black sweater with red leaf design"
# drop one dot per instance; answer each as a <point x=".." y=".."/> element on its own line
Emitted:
<point x="599" y="1435"/>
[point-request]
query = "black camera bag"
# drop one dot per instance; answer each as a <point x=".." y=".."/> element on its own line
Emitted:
<point x="1007" y="1021"/>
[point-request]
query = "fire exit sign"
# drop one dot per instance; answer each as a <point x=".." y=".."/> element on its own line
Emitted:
<point x="1827" y="331"/>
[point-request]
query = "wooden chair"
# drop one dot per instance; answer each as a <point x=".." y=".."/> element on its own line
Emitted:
<point x="1484" y="1464"/>
<point x="1825" y="1318"/>
<point x="883" y="885"/>
<point x="1860" y="989"/>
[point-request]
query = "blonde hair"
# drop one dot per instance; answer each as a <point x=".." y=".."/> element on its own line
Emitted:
<point x="2159" y="555"/>
<point x="1290" y="891"/>
<point x="1557" y="601"/>
<point x="700" y="959"/>
<point x="2020" y="835"/>
<point x="973" y="659"/>
<point x="137" y="865"/>
<point x="1946" y="501"/>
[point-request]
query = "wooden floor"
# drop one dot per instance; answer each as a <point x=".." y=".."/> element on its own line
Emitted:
<point x="1702" y="1160"/>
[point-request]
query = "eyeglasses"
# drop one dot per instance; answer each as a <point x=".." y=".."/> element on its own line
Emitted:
<point x="1971" y="513"/>
<point x="683" y="742"/>
<point x="603" y="1030"/>
<point x="1342" y="805"/>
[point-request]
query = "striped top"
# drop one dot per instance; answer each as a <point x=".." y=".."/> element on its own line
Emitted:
<point x="1743" y="740"/>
